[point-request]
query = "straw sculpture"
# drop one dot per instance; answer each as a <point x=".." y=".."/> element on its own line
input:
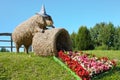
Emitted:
<point x="51" y="41"/>
<point x="24" y="32"/>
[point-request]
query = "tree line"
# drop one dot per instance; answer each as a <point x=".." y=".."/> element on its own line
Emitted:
<point x="3" y="49"/>
<point x="102" y="36"/>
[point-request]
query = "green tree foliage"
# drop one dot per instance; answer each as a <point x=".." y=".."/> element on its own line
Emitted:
<point x="95" y="34"/>
<point x="103" y="35"/>
<point x="107" y="35"/>
<point x="83" y="39"/>
<point x="3" y="49"/>
<point x="73" y="38"/>
<point x="117" y="38"/>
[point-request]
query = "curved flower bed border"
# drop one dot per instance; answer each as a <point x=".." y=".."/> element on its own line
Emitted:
<point x="63" y="65"/>
<point x="85" y="65"/>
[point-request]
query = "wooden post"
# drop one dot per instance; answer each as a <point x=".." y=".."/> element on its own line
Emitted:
<point x="11" y="44"/>
<point x="11" y="41"/>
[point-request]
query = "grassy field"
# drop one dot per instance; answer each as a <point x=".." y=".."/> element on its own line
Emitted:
<point x="29" y="67"/>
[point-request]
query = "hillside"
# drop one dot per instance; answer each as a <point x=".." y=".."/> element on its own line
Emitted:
<point x="30" y="67"/>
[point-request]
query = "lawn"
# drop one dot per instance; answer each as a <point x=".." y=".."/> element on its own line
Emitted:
<point x="30" y="67"/>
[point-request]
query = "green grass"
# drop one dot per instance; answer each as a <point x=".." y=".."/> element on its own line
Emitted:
<point x="30" y="67"/>
<point x="114" y="74"/>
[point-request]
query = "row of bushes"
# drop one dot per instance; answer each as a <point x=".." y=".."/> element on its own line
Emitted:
<point x="102" y="36"/>
<point x="3" y="49"/>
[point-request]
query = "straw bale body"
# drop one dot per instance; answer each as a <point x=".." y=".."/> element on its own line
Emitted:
<point x="24" y="32"/>
<point x="50" y="42"/>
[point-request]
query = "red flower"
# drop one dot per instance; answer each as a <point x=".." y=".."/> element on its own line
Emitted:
<point x="114" y="63"/>
<point x="60" y="53"/>
<point x="78" y="68"/>
<point x="75" y="65"/>
<point x="104" y="58"/>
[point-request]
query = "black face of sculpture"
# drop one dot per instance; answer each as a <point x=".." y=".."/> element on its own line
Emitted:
<point x="48" y="20"/>
<point x="48" y="17"/>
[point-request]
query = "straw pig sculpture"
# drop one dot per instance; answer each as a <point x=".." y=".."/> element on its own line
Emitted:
<point x="24" y="32"/>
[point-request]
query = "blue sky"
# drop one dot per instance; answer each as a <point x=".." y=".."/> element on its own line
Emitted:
<point x="68" y="14"/>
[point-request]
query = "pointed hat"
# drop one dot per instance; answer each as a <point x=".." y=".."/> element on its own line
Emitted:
<point x="43" y="12"/>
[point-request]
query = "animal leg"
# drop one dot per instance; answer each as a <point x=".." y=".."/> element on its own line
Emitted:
<point x="17" y="48"/>
<point x="26" y="49"/>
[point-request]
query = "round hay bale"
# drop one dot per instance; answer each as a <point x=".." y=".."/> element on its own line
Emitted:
<point x="51" y="41"/>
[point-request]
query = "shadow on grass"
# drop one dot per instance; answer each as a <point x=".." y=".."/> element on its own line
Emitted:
<point x="113" y="72"/>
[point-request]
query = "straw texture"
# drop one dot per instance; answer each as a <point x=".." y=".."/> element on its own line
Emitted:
<point x="24" y="32"/>
<point x="50" y="42"/>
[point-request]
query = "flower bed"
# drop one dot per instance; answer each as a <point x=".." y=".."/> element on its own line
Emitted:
<point x="85" y="65"/>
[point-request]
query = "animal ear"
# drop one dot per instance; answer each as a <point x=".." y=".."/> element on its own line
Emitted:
<point x="40" y="20"/>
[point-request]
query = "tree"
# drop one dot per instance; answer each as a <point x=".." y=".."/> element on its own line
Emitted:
<point x="3" y="49"/>
<point x="103" y="35"/>
<point x="83" y="39"/>
<point x="73" y="38"/>
<point x="117" y="38"/>
<point x="95" y="33"/>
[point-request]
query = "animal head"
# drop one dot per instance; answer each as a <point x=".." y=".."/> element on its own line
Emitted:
<point x="45" y="17"/>
<point x="44" y="20"/>
<point x="48" y="20"/>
